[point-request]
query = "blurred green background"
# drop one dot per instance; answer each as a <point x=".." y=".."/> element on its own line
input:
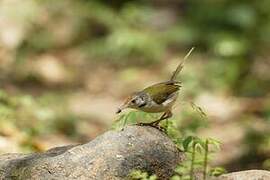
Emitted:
<point x="65" y="66"/>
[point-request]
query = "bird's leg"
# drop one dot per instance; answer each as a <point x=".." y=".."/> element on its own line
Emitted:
<point x="166" y="115"/>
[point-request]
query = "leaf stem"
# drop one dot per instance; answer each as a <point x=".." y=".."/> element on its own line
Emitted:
<point x="205" y="160"/>
<point x="192" y="161"/>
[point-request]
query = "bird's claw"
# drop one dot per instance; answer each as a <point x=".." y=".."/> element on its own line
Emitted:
<point x="154" y="125"/>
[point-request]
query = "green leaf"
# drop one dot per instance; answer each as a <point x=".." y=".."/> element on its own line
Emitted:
<point x="132" y="117"/>
<point x="199" y="147"/>
<point x="186" y="142"/>
<point x="215" y="143"/>
<point x="175" y="177"/>
<point x="217" y="171"/>
<point x="152" y="177"/>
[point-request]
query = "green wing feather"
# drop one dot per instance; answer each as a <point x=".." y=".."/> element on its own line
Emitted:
<point x="161" y="91"/>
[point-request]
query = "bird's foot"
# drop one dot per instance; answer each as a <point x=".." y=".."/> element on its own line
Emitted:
<point x="154" y="125"/>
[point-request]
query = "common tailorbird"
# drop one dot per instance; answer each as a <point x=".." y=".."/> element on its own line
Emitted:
<point x="157" y="98"/>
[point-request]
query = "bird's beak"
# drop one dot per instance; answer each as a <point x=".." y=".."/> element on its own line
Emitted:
<point x="118" y="111"/>
<point x="121" y="108"/>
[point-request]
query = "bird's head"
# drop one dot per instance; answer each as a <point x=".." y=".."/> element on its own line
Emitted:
<point x="134" y="101"/>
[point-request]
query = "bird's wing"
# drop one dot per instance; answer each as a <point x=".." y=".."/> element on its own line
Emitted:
<point x="161" y="92"/>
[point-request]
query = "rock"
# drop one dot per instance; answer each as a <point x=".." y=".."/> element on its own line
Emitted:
<point x="246" y="175"/>
<point x="112" y="155"/>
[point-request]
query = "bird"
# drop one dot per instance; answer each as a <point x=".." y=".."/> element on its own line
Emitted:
<point x="156" y="98"/>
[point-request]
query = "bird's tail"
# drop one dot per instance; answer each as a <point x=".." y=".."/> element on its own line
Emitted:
<point x="181" y="65"/>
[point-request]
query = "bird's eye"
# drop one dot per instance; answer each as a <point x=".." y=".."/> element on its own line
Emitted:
<point x="133" y="101"/>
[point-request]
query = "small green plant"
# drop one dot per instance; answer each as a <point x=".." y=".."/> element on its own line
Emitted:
<point x="197" y="152"/>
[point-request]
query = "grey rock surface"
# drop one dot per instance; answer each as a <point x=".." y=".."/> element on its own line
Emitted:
<point x="246" y="175"/>
<point x="112" y="155"/>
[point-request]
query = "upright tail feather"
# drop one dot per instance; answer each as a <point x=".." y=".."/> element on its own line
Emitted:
<point x="181" y="65"/>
